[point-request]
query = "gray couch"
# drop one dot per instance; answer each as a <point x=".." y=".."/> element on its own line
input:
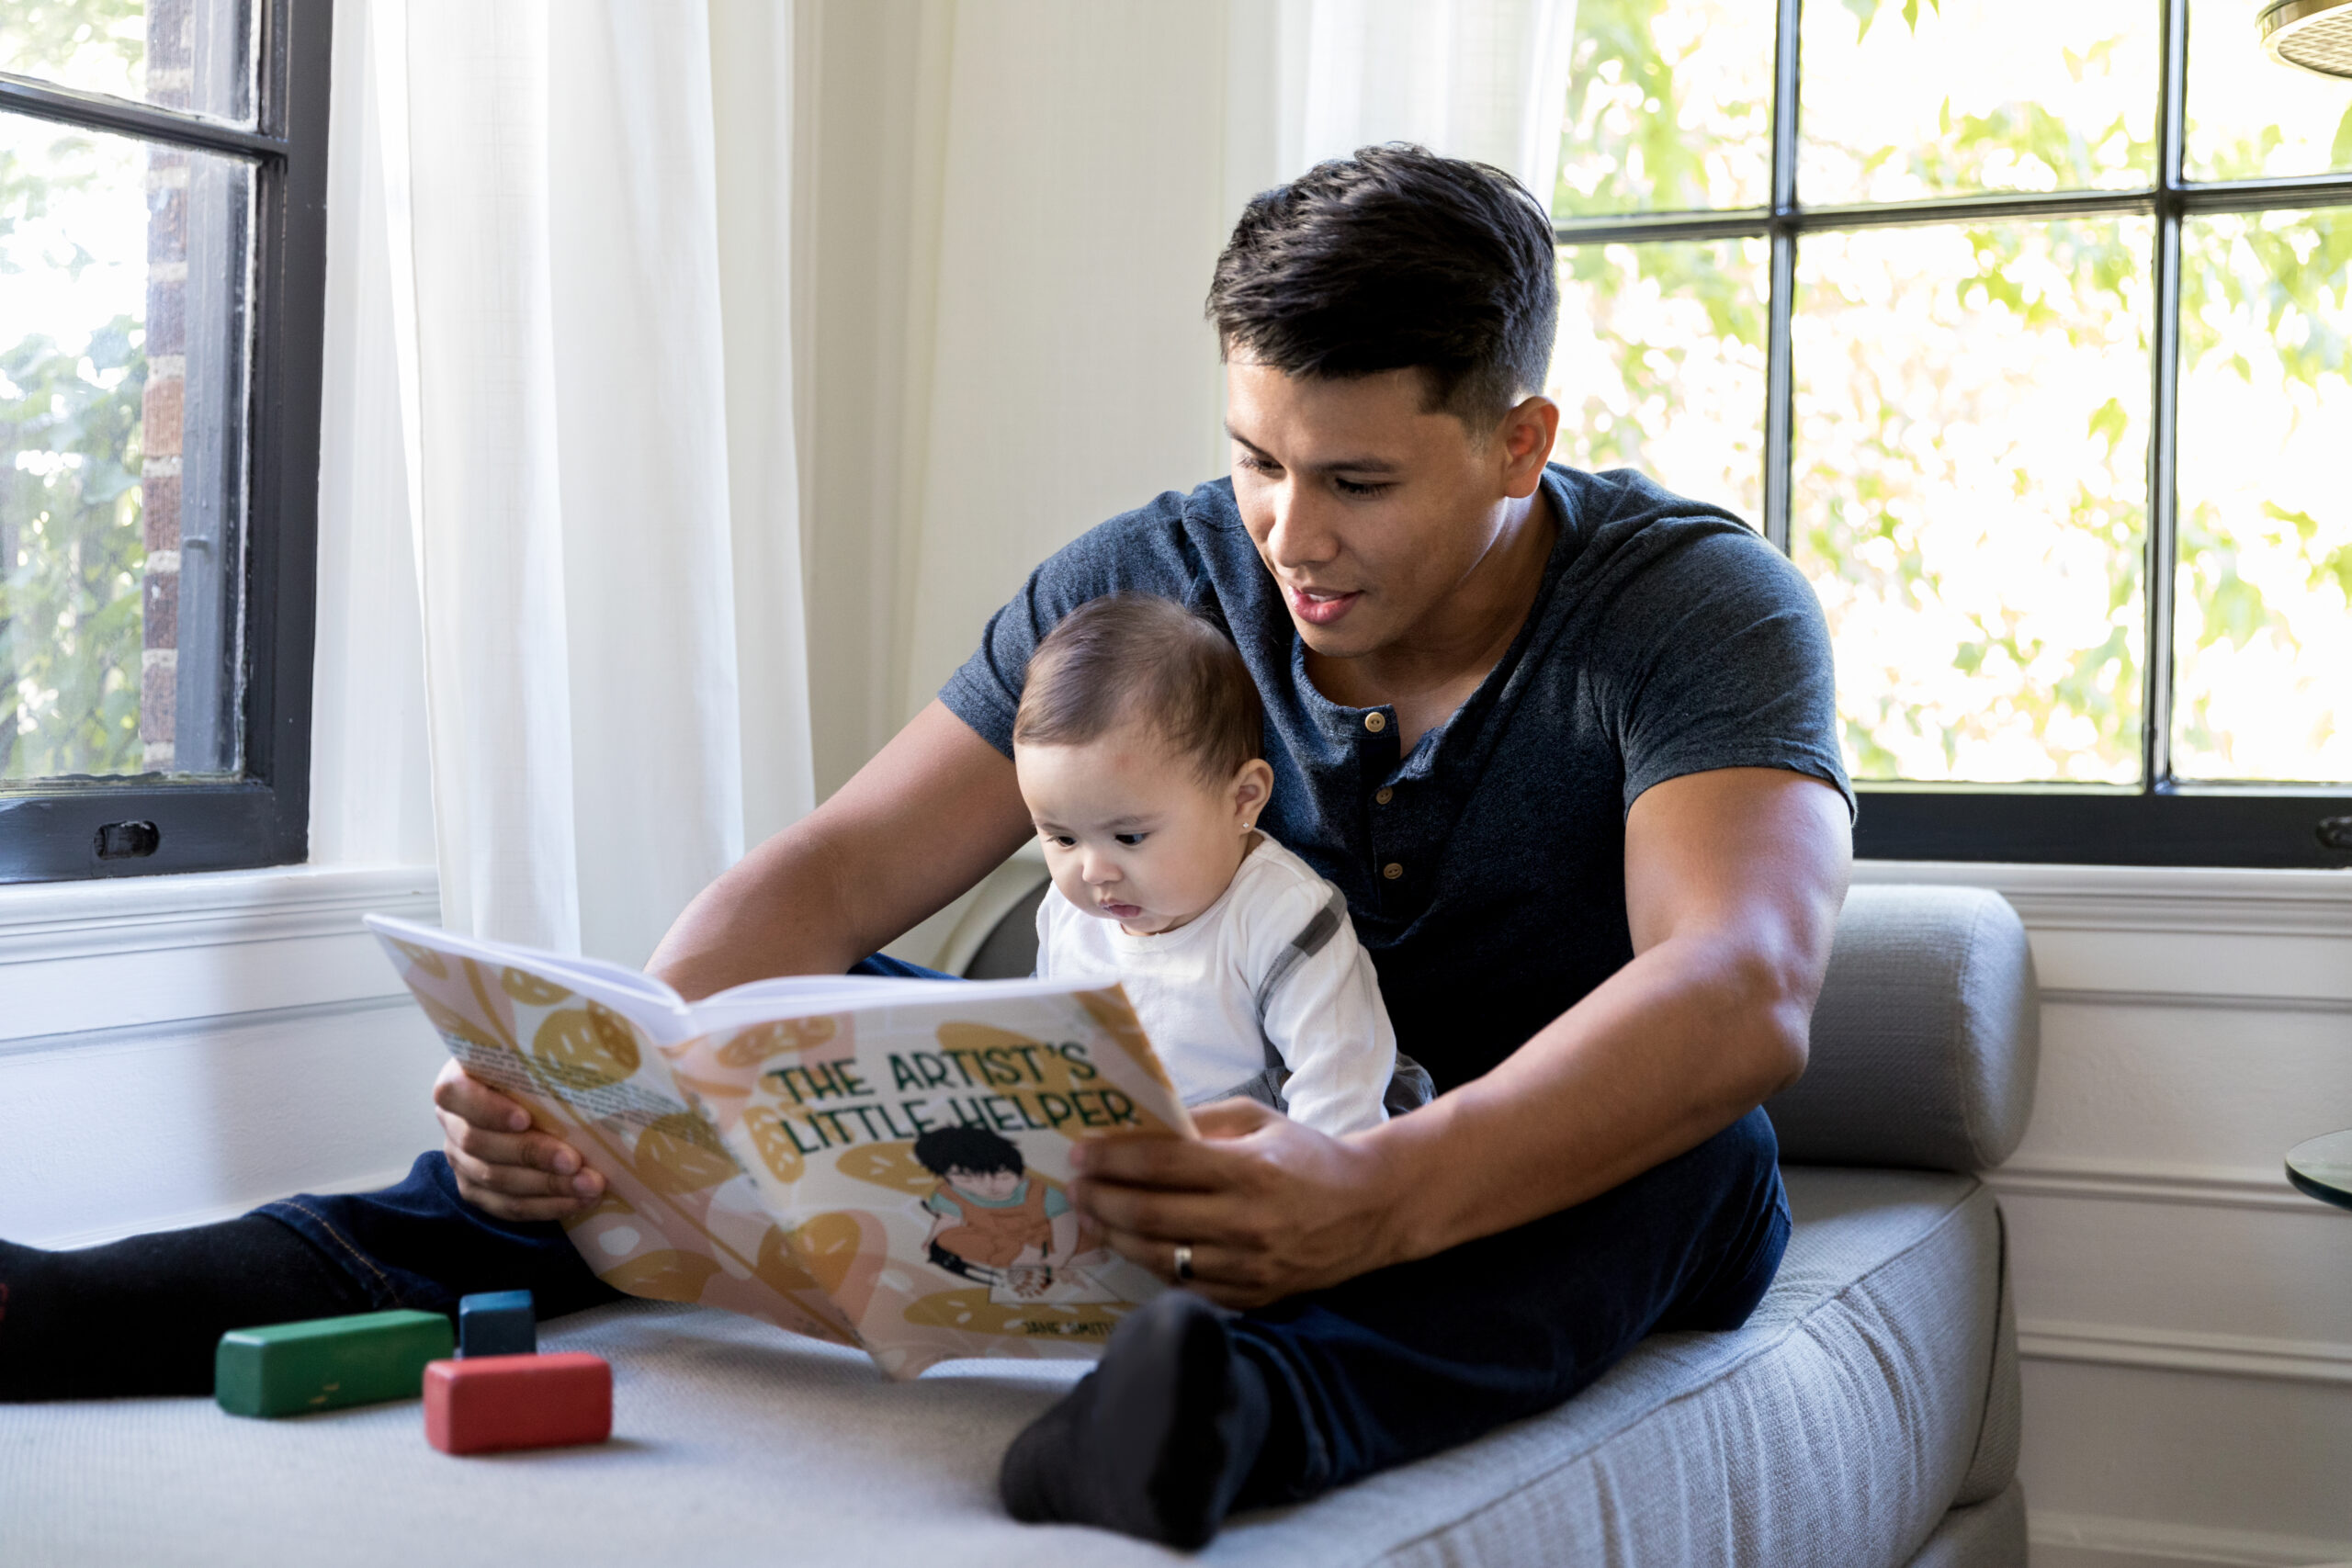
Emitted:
<point x="1867" y="1416"/>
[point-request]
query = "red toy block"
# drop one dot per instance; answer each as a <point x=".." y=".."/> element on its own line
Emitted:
<point x="484" y="1403"/>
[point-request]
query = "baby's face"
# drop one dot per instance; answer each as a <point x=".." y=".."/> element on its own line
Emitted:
<point x="1131" y="833"/>
<point x="995" y="1186"/>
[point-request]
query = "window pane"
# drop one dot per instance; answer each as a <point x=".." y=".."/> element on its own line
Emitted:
<point x="1660" y="365"/>
<point x="2263" y="644"/>
<point x="2251" y="118"/>
<point x="122" y="370"/>
<point x="179" y="54"/>
<point x="1970" y="493"/>
<point x="1912" y="98"/>
<point x="1670" y="107"/>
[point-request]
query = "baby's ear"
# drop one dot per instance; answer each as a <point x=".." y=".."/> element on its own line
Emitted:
<point x="1253" y="786"/>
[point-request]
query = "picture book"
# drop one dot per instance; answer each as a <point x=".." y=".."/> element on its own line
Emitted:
<point x="876" y="1162"/>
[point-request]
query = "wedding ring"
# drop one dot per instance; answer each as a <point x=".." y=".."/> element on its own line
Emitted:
<point x="1183" y="1262"/>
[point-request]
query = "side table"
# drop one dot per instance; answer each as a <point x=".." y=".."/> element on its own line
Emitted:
<point x="2323" y="1168"/>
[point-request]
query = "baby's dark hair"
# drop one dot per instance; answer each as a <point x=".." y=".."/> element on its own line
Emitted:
<point x="975" y="1149"/>
<point x="1138" y="657"/>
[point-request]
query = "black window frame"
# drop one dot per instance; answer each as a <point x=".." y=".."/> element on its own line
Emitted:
<point x="2161" y="822"/>
<point x="53" y="830"/>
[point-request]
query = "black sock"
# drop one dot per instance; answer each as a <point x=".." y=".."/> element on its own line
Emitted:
<point x="145" y="1315"/>
<point x="1155" y="1442"/>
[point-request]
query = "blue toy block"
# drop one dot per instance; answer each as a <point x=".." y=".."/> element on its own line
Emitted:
<point x="497" y="1323"/>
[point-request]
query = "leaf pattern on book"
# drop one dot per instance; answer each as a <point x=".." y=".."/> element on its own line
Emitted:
<point x="665" y="1276"/>
<point x="586" y="1047"/>
<point x="749" y="1047"/>
<point x="777" y="1152"/>
<point x="887" y="1165"/>
<point x="680" y="1153"/>
<point x="530" y="989"/>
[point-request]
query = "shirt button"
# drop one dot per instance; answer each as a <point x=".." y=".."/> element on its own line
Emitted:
<point x="1392" y="871"/>
<point x="1376" y="722"/>
<point x="1383" y="795"/>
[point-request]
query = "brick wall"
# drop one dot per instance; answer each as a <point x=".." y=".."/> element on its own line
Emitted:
<point x="171" y="74"/>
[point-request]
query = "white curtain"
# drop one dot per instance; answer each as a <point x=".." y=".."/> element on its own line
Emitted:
<point x="585" y="205"/>
<point x="1074" y="174"/>
<point x="1482" y="79"/>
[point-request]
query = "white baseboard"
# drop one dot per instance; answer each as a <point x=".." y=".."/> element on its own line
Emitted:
<point x="2091" y="1540"/>
<point x="80" y="958"/>
<point x="2182" y="1350"/>
<point x="2192" y="900"/>
<point x="2169" y="1183"/>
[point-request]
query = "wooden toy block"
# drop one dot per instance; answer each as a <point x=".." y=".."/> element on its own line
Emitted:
<point x="497" y="1323"/>
<point x="292" y="1368"/>
<point x="484" y="1403"/>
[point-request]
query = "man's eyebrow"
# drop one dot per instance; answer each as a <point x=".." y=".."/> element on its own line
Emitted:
<point x="1343" y="466"/>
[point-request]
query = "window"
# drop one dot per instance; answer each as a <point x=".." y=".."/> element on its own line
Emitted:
<point x="162" y="176"/>
<point x="2024" y="329"/>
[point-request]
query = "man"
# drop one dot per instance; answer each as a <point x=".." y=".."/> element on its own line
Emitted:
<point x="1568" y="745"/>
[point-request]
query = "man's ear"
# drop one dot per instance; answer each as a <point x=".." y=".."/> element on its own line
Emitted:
<point x="1525" y="440"/>
<point x="1252" y="787"/>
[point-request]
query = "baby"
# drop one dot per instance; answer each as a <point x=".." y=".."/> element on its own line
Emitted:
<point x="1137" y="750"/>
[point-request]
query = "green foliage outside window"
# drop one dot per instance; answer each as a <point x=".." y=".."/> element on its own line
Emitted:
<point x="70" y="627"/>
<point x="1972" y="419"/>
<point x="71" y="541"/>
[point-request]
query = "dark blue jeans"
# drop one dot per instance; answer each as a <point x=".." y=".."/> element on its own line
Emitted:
<point x="1388" y="1367"/>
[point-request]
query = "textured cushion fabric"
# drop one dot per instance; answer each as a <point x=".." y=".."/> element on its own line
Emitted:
<point x="1927" y="1038"/>
<point x="1990" y="1534"/>
<point x="1995" y="1466"/>
<point x="1835" y="1429"/>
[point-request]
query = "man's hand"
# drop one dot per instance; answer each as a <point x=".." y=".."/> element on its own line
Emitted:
<point x="502" y="1167"/>
<point x="1270" y="1207"/>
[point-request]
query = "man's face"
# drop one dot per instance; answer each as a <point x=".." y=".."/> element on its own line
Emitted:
<point x="1368" y="508"/>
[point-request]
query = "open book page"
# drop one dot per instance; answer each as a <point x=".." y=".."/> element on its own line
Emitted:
<point x="585" y="1046"/>
<point x="937" y="1246"/>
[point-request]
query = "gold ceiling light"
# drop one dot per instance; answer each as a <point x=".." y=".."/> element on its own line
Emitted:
<point x="2314" y="34"/>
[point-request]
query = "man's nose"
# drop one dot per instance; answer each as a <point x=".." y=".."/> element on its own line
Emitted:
<point x="1301" y="534"/>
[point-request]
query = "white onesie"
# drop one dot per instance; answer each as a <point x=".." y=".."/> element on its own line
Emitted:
<point x="1273" y="963"/>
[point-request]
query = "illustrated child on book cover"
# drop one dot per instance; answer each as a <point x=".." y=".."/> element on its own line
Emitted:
<point x="990" y="1213"/>
<point x="1136" y="746"/>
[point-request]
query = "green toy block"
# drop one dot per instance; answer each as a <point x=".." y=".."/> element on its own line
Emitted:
<point x="292" y="1369"/>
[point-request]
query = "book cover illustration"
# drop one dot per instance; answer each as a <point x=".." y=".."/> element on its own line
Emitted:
<point x="919" y="1151"/>
<point x="679" y="1221"/>
<point x="877" y="1162"/>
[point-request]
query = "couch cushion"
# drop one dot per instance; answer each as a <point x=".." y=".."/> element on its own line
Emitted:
<point x="1834" y="1429"/>
<point x="1927" y="1038"/>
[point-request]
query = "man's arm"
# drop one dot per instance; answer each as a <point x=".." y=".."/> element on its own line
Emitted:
<point x="1733" y="884"/>
<point x="935" y="811"/>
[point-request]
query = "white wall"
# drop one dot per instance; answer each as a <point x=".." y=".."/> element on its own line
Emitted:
<point x="2183" y="1310"/>
<point x="180" y="1049"/>
<point x="1011" y="214"/>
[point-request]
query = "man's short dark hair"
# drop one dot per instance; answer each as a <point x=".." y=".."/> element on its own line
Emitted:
<point x="1138" y="657"/>
<point x="1396" y="259"/>
<point x="973" y="1149"/>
